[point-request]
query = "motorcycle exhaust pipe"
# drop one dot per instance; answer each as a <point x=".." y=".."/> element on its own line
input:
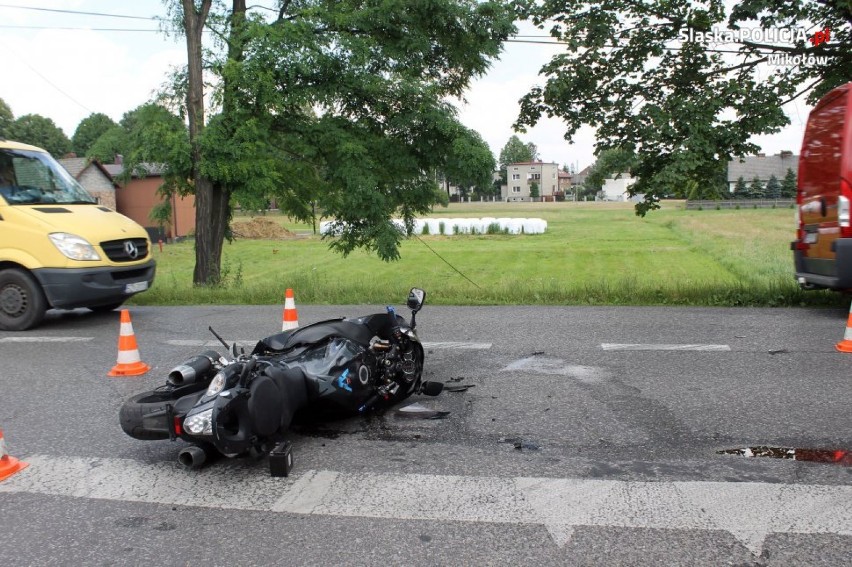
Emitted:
<point x="196" y="456"/>
<point x="194" y="369"/>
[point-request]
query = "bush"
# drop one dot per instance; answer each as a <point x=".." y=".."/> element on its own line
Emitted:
<point x="494" y="228"/>
<point x="425" y="230"/>
<point x="442" y="228"/>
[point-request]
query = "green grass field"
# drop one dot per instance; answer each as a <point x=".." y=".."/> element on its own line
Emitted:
<point x="591" y="254"/>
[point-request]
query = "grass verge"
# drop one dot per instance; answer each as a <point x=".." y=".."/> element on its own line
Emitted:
<point x="592" y="254"/>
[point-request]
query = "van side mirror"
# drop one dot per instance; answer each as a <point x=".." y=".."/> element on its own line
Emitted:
<point x="416" y="298"/>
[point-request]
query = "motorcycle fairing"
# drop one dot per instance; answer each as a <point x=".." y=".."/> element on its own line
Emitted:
<point x="379" y="324"/>
<point x="334" y="374"/>
<point x="313" y="334"/>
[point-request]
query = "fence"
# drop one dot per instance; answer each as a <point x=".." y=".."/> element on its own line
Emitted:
<point x="741" y="204"/>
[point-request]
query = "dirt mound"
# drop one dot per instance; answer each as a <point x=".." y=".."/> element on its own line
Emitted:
<point x="260" y="228"/>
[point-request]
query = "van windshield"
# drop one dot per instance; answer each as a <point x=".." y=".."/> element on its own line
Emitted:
<point x="35" y="178"/>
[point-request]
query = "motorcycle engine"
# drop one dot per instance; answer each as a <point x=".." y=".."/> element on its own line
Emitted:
<point x="408" y="365"/>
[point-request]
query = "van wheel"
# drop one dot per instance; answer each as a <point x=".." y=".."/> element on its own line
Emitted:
<point x="22" y="302"/>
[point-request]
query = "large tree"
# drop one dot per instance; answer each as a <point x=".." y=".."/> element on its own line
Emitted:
<point x="470" y="164"/>
<point x="516" y="151"/>
<point x="338" y="101"/>
<point x="39" y="131"/>
<point x="89" y="130"/>
<point x="685" y="84"/>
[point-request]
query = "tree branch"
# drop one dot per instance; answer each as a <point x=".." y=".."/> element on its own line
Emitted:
<point x="803" y="91"/>
<point x="284" y="6"/>
<point x="744" y="65"/>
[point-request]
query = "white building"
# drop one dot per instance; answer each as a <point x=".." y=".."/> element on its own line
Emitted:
<point x="615" y="189"/>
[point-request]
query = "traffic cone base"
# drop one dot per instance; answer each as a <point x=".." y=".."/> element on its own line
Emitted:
<point x="129" y="369"/>
<point x="129" y="362"/>
<point x="290" y="317"/>
<point x="846" y="344"/>
<point x="11" y="465"/>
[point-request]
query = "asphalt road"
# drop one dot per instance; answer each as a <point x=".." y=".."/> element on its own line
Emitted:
<point x="590" y="436"/>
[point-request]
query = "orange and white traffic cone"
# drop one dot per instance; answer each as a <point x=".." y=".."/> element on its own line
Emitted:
<point x="290" y="317"/>
<point x="846" y="344"/>
<point x="8" y="465"/>
<point x="129" y="363"/>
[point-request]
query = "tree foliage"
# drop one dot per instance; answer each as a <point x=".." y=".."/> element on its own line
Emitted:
<point x="609" y="163"/>
<point x="773" y="188"/>
<point x="757" y="190"/>
<point x="643" y="74"/>
<point x="741" y="189"/>
<point x="6" y="119"/>
<point x="470" y="164"/>
<point x="108" y="145"/>
<point x="516" y="151"/>
<point x="42" y="132"/>
<point x="789" y="185"/>
<point x="89" y="130"/>
<point x="343" y="102"/>
<point x="152" y="135"/>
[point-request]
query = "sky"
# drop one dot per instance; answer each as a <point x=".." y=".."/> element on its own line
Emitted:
<point x="67" y="74"/>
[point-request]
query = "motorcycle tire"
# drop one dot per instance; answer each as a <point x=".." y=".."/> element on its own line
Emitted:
<point x="146" y="415"/>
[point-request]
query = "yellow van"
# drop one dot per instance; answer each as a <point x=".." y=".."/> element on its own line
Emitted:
<point x="58" y="247"/>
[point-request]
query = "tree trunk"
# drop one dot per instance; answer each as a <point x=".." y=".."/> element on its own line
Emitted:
<point x="207" y="251"/>
<point x="212" y="201"/>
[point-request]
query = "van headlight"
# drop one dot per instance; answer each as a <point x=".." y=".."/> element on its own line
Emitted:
<point x="200" y="423"/>
<point x="73" y="246"/>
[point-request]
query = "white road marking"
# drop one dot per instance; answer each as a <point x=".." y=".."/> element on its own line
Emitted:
<point x="748" y="510"/>
<point x="30" y="339"/>
<point x="435" y="345"/>
<point x="457" y="345"/>
<point x="614" y="346"/>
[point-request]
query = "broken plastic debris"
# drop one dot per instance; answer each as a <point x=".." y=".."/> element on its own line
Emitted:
<point x="419" y="411"/>
<point x="837" y="456"/>
<point x="459" y="388"/>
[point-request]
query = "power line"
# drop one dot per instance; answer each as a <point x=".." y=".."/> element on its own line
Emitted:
<point x="4" y="26"/>
<point x="19" y="7"/>
<point x="48" y="81"/>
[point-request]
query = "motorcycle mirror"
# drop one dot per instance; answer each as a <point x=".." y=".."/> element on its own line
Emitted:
<point x="416" y="298"/>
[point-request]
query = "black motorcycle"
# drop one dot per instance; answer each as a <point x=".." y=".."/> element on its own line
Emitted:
<point x="243" y="405"/>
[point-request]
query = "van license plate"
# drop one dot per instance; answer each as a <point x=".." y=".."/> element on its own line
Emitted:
<point x="135" y="287"/>
<point x="811" y="237"/>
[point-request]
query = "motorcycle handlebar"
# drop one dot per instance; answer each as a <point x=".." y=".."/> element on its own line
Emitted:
<point x="247" y="368"/>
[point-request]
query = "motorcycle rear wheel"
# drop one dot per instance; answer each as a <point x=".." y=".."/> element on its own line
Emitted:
<point x="146" y="415"/>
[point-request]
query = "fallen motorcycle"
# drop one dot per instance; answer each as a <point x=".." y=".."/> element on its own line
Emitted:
<point x="245" y="403"/>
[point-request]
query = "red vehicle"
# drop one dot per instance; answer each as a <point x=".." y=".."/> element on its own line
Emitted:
<point x="823" y="246"/>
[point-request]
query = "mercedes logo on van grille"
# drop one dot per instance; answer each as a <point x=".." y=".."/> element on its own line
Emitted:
<point x="131" y="249"/>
